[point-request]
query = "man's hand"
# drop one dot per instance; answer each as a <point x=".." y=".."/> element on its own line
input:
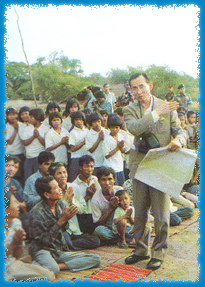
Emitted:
<point x="19" y="236"/>
<point x="174" y="145"/>
<point x="91" y="190"/>
<point x="166" y="107"/>
<point x="114" y="202"/>
<point x="67" y="214"/>
<point x="69" y="194"/>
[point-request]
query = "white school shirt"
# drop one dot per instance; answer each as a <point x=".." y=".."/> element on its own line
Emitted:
<point x="17" y="146"/>
<point x="80" y="190"/>
<point x="35" y="147"/>
<point x="119" y="212"/>
<point x="99" y="205"/>
<point x="90" y="140"/>
<point x="52" y="137"/>
<point x="115" y="161"/>
<point x="129" y="140"/>
<point x="46" y="122"/>
<point x="76" y="137"/>
<point x="66" y="124"/>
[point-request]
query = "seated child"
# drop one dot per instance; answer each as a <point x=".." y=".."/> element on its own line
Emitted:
<point x="123" y="221"/>
<point x="17" y="267"/>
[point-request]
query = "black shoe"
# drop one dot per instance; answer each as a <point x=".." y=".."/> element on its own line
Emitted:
<point x="135" y="258"/>
<point x="154" y="263"/>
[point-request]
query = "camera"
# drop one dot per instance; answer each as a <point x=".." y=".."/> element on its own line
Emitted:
<point x="147" y="141"/>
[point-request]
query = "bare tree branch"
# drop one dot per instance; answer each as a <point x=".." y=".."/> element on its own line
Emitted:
<point x="29" y="68"/>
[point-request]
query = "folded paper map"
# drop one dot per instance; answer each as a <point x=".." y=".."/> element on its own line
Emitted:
<point x="167" y="171"/>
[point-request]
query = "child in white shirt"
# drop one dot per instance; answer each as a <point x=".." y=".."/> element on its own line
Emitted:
<point x="72" y="105"/>
<point x="57" y="137"/>
<point x="77" y="143"/>
<point x="51" y="107"/>
<point x="34" y="141"/>
<point x="94" y="139"/>
<point x="114" y="147"/>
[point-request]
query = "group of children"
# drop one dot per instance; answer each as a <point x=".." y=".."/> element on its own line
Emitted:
<point x="68" y="137"/>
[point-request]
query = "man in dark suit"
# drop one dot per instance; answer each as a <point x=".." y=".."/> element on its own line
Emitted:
<point x="150" y="114"/>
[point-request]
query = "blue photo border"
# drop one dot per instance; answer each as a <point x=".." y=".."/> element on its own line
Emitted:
<point x="201" y="5"/>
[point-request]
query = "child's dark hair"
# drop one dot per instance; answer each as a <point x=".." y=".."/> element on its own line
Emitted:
<point x="105" y="171"/>
<point x="119" y="112"/>
<point x="102" y="112"/>
<point x="114" y="120"/>
<point x="181" y="110"/>
<point x="70" y="102"/>
<point x="23" y="109"/>
<point x="54" y="115"/>
<point x="10" y="110"/>
<point x="87" y="111"/>
<point x="38" y="114"/>
<point x="42" y="185"/>
<point x="52" y="105"/>
<point x="100" y="94"/>
<point x="15" y="158"/>
<point x="190" y="113"/>
<point x="45" y="156"/>
<point x="94" y="117"/>
<point x="121" y="192"/>
<point x="77" y="115"/>
<point x="54" y="166"/>
<point x="85" y="159"/>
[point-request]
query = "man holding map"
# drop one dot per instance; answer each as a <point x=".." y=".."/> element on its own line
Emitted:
<point x="154" y="123"/>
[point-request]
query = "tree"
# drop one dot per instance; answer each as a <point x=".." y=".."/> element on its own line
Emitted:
<point x="17" y="75"/>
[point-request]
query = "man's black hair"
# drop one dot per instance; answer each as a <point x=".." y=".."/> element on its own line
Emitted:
<point x="85" y="159"/>
<point x="38" y="114"/>
<point x="54" y="166"/>
<point x="45" y="156"/>
<point x="15" y="158"/>
<point x="54" y="115"/>
<point x="42" y="185"/>
<point x="135" y="76"/>
<point x="102" y="112"/>
<point x="105" y="171"/>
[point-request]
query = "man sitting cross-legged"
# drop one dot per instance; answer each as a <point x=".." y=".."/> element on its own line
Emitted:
<point x="49" y="220"/>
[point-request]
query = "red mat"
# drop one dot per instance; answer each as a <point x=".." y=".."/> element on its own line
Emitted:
<point x="117" y="272"/>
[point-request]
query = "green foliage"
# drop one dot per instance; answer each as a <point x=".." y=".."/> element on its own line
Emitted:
<point x="117" y="76"/>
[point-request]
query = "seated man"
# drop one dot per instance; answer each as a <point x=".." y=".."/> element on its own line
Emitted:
<point x="104" y="203"/>
<point x="85" y="186"/>
<point x="45" y="159"/>
<point x="49" y="220"/>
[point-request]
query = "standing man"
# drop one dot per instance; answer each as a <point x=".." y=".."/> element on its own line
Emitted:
<point x="110" y="97"/>
<point x="89" y="98"/>
<point x="150" y="114"/>
<point x="183" y="99"/>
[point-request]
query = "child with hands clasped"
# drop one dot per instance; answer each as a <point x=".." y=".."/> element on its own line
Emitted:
<point x="57" y="138"/>
<point x="123" y="220"/>
<point x="113" y="147"/>
<point x="34" y="140"/>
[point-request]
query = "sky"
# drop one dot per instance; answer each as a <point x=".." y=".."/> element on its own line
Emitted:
<point x="107" y="37"/>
